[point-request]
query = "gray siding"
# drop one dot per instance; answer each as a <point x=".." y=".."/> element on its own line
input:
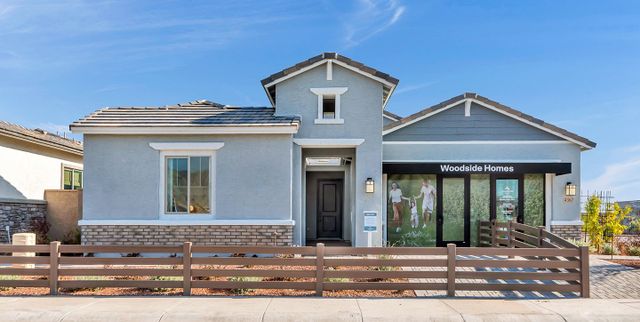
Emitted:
<point x="361" y="109"/>
<point x="253" y="176"/>
<point x="483" y="124"/>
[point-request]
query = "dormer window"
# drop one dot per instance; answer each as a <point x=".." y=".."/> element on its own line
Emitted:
<point x="328" y="107"/>
<point x="329" y="104"/>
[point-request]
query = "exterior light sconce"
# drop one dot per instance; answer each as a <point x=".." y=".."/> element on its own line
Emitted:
<point x="570" y="190"/>
<point x="369" y="186"/>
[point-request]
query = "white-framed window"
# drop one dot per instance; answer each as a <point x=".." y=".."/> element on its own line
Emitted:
<point x="71" y="178"/>
<point x="187" y="179"/>
<point x="329" y="104"/>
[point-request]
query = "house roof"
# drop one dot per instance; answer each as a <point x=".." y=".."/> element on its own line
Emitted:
<point x="388" y="81"/>
<point x="197" y="114"/>
<point x="392" y="116"/>
<point x="40" y="137"/>
<point x="427" y="112"/>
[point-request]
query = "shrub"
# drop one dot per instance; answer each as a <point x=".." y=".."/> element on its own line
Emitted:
<point x="73" y="237"/>
<point x="609" y="249"/>
<point x="580" y="243"/>
<point x="633" y="251"/>
<point x="9" y="278"/>
<point x="242" y="291"/>
<point x="164" y="278"/>
<point x="40" y="227"/>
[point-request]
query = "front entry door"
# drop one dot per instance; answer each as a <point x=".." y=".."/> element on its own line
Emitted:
<point x="329" y="214"/>
<point x="453" y="212"/>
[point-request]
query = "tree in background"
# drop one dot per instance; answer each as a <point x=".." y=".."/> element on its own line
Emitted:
<point x="602" y="228"/>
<point x="592" y="224"/>
<point x="612" y="222"/>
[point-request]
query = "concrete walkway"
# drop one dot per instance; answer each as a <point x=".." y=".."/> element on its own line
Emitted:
<point x="613" y="281"/>
<point x="139" y="309"/>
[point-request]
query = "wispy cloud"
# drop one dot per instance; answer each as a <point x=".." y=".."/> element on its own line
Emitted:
<point x="411" y="88"/>
<point x="621" y="177"/>
<point x="371" y="18"/>
<point x="75" y="32"/>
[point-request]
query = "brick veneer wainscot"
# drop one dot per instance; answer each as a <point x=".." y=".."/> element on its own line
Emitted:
<point x="206" y="235"/>
<point x="18" y="215"/>
<point x="567" y="231"/>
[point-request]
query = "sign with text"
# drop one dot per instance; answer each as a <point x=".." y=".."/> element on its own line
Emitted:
<point x="370" y="222"/>
<point x="476" y="167"/>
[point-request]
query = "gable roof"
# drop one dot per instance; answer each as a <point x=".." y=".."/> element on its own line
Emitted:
<point x="485" y="102"/>
<point x="193" y="117"/>
<point x="40" y="137"/>
<point x="387" y="80"/>
<point x="391" y="116"/>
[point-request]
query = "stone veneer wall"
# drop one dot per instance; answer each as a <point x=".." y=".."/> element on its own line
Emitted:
<point x="567" y="231"/>
<point x="207" y="235"/>
<point x="18" y="215"/>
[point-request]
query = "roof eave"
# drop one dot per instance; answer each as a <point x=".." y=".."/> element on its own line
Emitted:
<point x="48" y="144"/>
<point x="197" y="129"/>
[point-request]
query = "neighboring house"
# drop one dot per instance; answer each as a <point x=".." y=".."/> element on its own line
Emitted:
<point x="325" y="163"/>
<point x="33" y="161"/>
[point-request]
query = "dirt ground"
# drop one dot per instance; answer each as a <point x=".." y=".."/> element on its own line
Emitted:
<point x="39" y="291"/>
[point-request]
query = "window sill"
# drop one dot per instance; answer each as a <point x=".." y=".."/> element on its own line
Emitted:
<point x="328" y="121"/>
<point x="186" y="217"/>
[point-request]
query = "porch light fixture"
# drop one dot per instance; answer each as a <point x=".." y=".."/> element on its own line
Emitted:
<point x="369" y="186"/>
<point x="570" y="190"/>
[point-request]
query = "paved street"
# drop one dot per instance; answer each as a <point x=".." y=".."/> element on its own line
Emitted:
<point x="140" y="309"/>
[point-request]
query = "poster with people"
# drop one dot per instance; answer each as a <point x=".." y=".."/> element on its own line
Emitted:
<point x="411" y="204"/>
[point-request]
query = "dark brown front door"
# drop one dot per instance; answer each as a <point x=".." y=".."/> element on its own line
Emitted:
<point x="329" y="213"/>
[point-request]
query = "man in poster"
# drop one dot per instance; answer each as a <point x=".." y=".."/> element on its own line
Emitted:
<point x="428" y="193"/>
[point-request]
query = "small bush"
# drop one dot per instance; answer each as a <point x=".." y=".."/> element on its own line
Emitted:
<point x="73" y="237"/>
<point x="242" y="291"/>
<point x="40" y="227"/>
<point x="580" y="243"/>
<point x="385" y="268"/>
<point x="634" y="251"/>
<point x="609" y="249"/>
<point x="9" y="278"/>
<point x="164" y="278"/>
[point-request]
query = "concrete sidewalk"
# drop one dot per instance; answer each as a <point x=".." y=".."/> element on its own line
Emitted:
<point x="61" y="308"/>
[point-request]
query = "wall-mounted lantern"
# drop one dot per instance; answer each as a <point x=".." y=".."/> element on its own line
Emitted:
<point x="570" y="190"/>
<point x="369" y="185"/>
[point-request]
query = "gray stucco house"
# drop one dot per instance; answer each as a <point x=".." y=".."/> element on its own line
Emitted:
<point x="325" y="162"/>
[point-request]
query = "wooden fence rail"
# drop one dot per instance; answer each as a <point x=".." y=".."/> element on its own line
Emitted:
<point x="557" y="266"/>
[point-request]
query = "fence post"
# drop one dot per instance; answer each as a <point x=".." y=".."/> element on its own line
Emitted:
<point x="319" y="269"/>
<point x="540" y="235"/>
<point x="186" y="269"/>
<point x="54" y="256"/>
<point x="510" y="236"/>
<point x="451" y="270"/>
<point x="494" y="234"/>
<point x="584" y="271"/>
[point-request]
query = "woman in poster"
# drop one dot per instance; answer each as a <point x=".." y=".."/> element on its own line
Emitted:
<point x="428" y="193"/>
<point x="395" y="196"/>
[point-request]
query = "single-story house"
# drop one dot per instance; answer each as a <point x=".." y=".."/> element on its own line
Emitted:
<point x="325" y="162"/>
<point x="33" y="161"/>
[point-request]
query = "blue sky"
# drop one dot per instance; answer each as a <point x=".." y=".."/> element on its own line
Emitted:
<point x="575" y="64"/>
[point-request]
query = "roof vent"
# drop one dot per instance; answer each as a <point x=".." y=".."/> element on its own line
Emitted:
<point x="41" y="131"/>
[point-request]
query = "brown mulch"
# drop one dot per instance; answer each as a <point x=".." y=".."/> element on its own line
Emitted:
<point x="635" y="263"/>
<point x="39" y="291"/>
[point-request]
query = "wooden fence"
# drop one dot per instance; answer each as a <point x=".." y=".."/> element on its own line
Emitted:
<point x="319" y="268"/>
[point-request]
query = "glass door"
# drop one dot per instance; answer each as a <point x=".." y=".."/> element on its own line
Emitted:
<point x="453" y="213"/>
<point x="507" y="196"/>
